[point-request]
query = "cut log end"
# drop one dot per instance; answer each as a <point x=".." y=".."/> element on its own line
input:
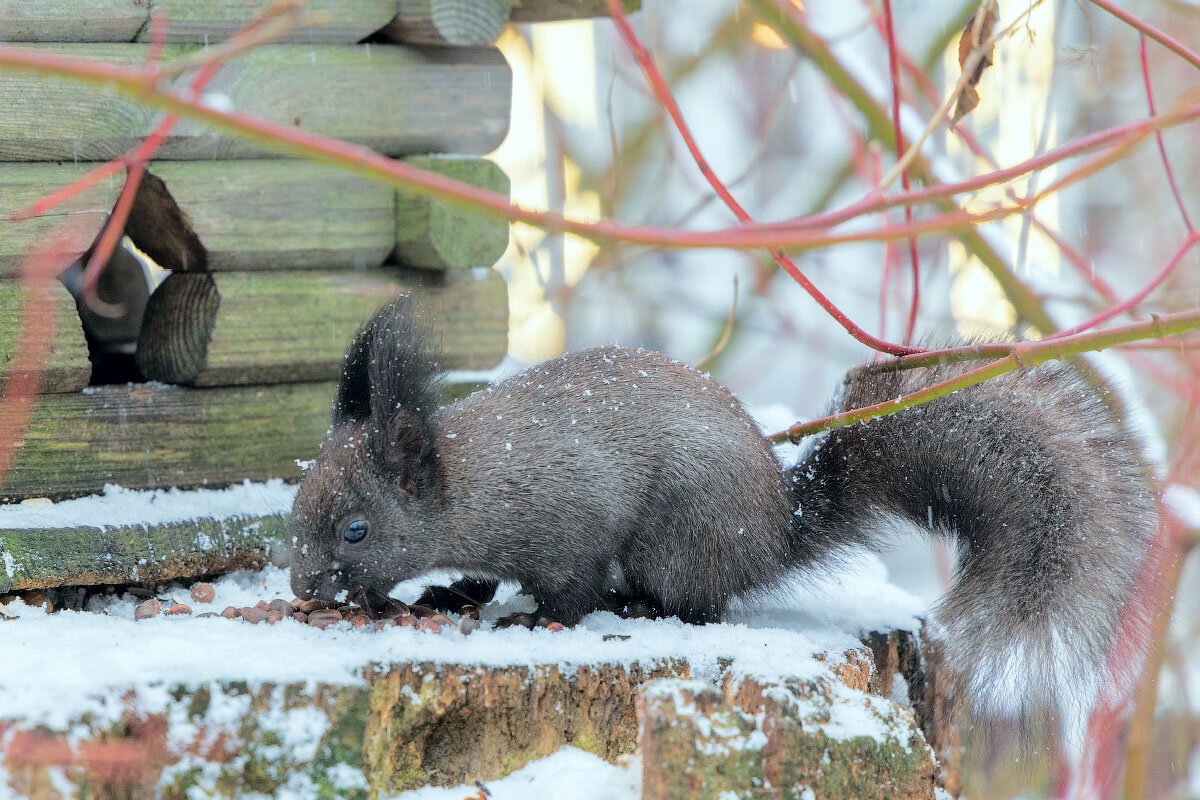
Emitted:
<point x="179" y="321"/>
<point x="462" y="23"/>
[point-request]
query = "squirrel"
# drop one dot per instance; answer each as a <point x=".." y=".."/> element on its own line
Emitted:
<point x="627" y="458"/>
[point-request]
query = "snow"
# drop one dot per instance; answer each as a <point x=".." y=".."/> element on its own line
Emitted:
<point x="59" y="666"/>
<point x="118" y="506"/>
<point x="569" y="773"/>
<point x="1184" y="502"/>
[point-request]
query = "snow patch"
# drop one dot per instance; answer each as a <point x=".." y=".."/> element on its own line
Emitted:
<point x="118" y="506"/>
<point x="59" y="666"/>
<point x="568" y="773"/>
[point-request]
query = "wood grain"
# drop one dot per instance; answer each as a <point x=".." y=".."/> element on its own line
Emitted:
<point x="397" y="100"/>
<point x="200" y="21"/>
<point x="72" y="20"/>
<point x="434" y="235"/>
<point x="549" y="10"/>
<point x="251" y="328"/>
<point x="469" y="23"/>
<point x="152" y="436"/>
<point x="67" y="369"/>
<point x="195" y="21"/>
<point x="262" y="214"/>
<point x="22" y="184"/>
<point x="132" y="554"/>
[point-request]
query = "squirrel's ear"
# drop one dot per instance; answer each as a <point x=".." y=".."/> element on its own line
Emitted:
<point x="406" y="451"/>
<point x="353" y="401"/>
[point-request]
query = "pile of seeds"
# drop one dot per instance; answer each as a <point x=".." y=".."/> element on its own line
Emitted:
<point x="317" y="613"/>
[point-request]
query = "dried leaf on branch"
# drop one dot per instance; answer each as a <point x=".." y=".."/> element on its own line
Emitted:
<point x="975" y="36"/>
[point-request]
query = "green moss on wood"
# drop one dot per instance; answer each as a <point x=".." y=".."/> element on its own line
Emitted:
<point x="86" y="556"/>
<point x="548" y="10"/>
<point x="67" y="368"/>
<point x="435" y="235"/>
<point x="700" y="744"/>
<point x="23" y="184"/>
<point x="201" y="21"/>
<point x="148" y="436"/>
<point x="254" y="328"/>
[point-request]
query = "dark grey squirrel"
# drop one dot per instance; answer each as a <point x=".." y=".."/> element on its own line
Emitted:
<point x="623" y="460"/>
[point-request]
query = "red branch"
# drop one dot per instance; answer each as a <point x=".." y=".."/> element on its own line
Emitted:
<point x="1174" y="45"/>
<point x="1162" y="147"/>
<point x="38" y="319"/>
<point x="663" y="93"/>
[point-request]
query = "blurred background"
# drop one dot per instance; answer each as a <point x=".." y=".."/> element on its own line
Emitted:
<point x="590" y="139"/>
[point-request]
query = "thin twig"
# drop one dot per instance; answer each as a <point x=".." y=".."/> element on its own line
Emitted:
<point x="1020" y="356"/>
<point x="968" y="68"/>
<point x="1162" y="147"/>
<point x="726" y="333"/>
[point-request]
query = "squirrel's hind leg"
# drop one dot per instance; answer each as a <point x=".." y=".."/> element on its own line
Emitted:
<point x="567" y="600"/>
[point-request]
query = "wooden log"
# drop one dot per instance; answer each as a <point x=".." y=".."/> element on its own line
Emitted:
<point x="260" y="215"/>
<point x="146" y="554"/>
<point x="205" y="21"/>
<point x="434" y="235"/>
<point x="270" y="214"/>
<point x="549" y="10"/>
<point x="71" y="20"/>
<point x="23" y="184"/>
<point x="67" y="369"/>
<point x="469" y="23"/>
<point x="396" y="100"/>
<point x="198" y="21"/>
<point x="791" y="736"/>
<point x="248" y="328"/>
<point x="149" y="437"/>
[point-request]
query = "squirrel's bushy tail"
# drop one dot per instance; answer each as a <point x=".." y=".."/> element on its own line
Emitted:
<point x="1038" y="483"/>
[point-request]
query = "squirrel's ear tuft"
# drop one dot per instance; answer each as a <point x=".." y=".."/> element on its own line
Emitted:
<point x="391" y="370"/>
<point x="353" y="401"/>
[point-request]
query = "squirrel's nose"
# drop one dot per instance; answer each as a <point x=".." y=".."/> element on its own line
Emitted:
<point x="304" y="584"/>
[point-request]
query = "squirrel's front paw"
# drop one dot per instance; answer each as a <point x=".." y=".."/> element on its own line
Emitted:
<point x="460" y="596"/>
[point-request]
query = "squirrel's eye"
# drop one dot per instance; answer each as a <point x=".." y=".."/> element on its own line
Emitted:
<point x="356" y="531"/>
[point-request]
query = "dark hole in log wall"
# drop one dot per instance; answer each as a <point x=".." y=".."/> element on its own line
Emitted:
<point x="162" y="232"/>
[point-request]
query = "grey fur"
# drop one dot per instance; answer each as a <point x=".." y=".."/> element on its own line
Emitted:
<point x="623" y="456"/>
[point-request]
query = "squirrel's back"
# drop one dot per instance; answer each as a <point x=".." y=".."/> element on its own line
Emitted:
<point x="621" y="455"/>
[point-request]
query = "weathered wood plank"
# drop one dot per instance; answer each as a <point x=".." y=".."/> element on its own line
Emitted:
<point x="149" y="436"/>
<point x="343" y="21"/>
<point x="261" y="214"/>
<point x="248" y="328"/>
<point x="469" y="23"/>
<point x="548" y="10"/>
<point x="72" y="20"/>
<point x="22" y="184"/>
<point x="197" y="21"/>
<point x="255" y="215"/>
<point x="93" y="556"/>
<point x="433" y="235"/>
<point x="270" y="214"/>
<point x="67" y="369"/>
<point x="397" y="100"/>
